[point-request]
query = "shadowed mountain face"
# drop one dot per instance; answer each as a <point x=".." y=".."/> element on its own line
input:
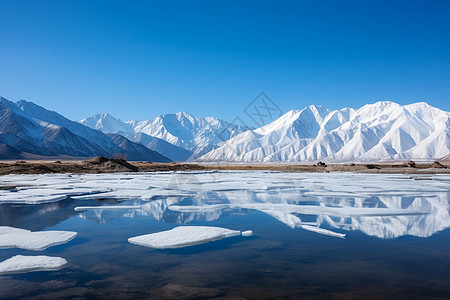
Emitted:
<point x="28" y="130"/>
<point x="8" y="152"/>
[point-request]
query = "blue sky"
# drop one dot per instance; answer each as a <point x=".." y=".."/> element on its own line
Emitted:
<point x="139" y="59"/>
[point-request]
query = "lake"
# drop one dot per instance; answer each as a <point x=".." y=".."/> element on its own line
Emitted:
<point x="396" y="245"/>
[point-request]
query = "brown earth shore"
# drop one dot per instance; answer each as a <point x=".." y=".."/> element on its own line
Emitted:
<point x="105" y="165"/>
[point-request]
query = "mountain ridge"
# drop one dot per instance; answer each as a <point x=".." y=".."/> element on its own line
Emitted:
<point x="190" y="134"/>
<point x="28" y="130"/>
<point x="383" y="130"/>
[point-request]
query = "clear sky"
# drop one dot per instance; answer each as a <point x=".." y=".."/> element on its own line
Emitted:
<point x="139" y="59"/>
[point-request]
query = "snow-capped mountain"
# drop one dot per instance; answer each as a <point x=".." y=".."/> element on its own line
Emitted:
<point x="193" y="134"/>
<point x="107" y="124"/>
<point x="28" y="130"/>
<point x="375" y="132"/>
<point x="380" y="131"/>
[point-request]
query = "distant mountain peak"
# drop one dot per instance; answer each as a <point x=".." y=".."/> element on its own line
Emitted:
<point x="184" y="114"/>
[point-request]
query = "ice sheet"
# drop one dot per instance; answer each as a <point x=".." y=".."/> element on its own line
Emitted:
<point x="11" y="237"/>
<point x="183" y="236"/>
<point x="23" y="264"/>
<point x="265" y="186"/>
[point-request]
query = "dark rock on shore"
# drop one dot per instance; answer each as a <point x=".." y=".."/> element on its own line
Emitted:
<point x="438" y="165"/>
<point x="371" y="167"/>
<point x="411" y="164"/>
<point x="113" y="164"/>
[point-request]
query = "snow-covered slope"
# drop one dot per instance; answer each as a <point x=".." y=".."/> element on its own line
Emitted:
<point x="198" y="135"/>
<point x="445" y="158"/>
<point x="194" y="135"/>
<point x="27" y="128"/>
<point x="380" y="131"/>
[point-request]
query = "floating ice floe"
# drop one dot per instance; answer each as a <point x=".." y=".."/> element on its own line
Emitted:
<point x="23" y="264"/>
<point x="184" y="236"/>
<point x="323" y="231"/>
<point x="247" y="233"/>
<point x="107" y="207"/>
<point x="11" y="237"/>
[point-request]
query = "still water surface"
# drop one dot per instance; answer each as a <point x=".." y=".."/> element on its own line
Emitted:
<point x="390" y="257"/>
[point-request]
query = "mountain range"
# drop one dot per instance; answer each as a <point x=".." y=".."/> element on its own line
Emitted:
<point x="383" y="131"/>
<point x="30" y="131"/>
<point x="179" y="136"/>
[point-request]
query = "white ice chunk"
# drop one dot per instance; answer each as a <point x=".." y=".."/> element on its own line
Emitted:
<point x="22" y="264"/>
<point x="247" y="233"/>
<point x="183" y="236"/>
<point x="11" y="237"/>
<point x="107" y="207"/>
<point x="323" y="231"/>
<point x="8" y="229"/>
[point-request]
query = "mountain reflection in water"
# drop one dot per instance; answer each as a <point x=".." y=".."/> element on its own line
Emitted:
<point x="384" y="206"/>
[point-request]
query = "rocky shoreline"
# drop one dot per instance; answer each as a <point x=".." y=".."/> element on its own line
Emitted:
<point x="105" y="165"/>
